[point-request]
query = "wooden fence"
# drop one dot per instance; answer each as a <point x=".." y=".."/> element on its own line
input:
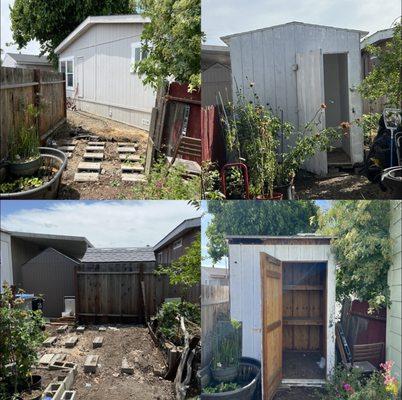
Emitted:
<point x="215" y="306"/>
<point x="20" y="87"/>
<point x="112" y="292"/>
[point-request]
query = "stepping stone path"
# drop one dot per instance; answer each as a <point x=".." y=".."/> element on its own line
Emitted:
<point x="97" y="342"/>
<point x="125" y="367"/>
<point x="71" y="341"/>
<point x="130" y="169"/>
<point x="67" y="146"/>
<point x="50" y="341"/>
<point x="46" y="359"/>
<point x="62" y="329"/>
<point x="91" y="363"/>
<point x="89" y="169"/>
<point x="80" y="329"/>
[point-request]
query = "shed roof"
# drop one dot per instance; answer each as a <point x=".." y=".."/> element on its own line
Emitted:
<point x="227" y="38"/>
<point x="29" y="59"/>
<point x="90" y="21"/>
<point x="123" y="254"/>
<point x="295" y="239"/>
<point x="185" y="226"/>
<point x="211" y="55"/>
<point x="378" y="36"/>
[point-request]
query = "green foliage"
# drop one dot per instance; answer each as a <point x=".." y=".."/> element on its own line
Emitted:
<point x="20" y="185"/>
<point x="211" y="181"/>
<point x="256" y="218"/>
<point x="164" y="183"/>
<point x="362" y="248"/>
<point x="222" y="387"/>
<point x="352" y="385"/>
<point x="21" y="336"/>
<point x="253" y="134"/>
<point x="186" y="270"/>
<point x="385" y="78"/>
<point x="51" y="21"/>
<point x="168" y="317"/>
<point x="369" y="124"/>
<point x="172" y="42"/>
<point x="226" y="345"/>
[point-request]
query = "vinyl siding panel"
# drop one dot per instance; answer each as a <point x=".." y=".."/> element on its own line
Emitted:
<point x="394" y="316"/>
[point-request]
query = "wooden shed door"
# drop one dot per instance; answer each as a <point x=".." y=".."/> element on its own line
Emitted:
<point x="271" y="280"/>
<point x="310" y="96"/>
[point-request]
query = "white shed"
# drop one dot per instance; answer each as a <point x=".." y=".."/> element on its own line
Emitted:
<point x="282" y="289"/>
<point x="97" y="58"/>
<point x="296" y="67"/>
<point x="28" y="61"/>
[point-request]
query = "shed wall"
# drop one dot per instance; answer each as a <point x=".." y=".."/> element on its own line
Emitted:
<point x="6" y="266"/>
<point x="267" y="58"/>
<point x="216" y="79"/>
<point x="109" y="89"/>
<point x="245" y="290"/>
<point x="52" y="274"/>
<point x="394" y="326"/>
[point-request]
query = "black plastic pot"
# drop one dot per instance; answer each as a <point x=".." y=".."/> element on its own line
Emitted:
<point x="25" y="168"/>
<point x="52" y="157"/>
<point x="249" y="370"/>
<point x="392" y="180"/>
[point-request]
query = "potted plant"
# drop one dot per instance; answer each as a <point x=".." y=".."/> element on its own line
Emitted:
<point x="22" y="335"/>
<point x="24" y="154"/>
<point x="226" y="351"/>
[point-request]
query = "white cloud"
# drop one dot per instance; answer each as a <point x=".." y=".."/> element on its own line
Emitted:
<point x="232" y="16"/>
<point x="104" y="223"/>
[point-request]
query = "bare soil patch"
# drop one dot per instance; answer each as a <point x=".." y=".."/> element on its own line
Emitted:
<point x="299" y="393"/>
<point x="109" y="186"/>
<point x="132" y="342"/>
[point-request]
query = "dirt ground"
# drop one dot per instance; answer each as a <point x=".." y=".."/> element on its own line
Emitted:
<point x="108" y="383"/>
<point x="340" y="186"/>
<point x="110" y="186"/>
<point x="298" y="394"/>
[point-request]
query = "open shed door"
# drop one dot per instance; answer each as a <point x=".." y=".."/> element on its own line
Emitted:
<point x="310" y="96"/>
<point x="271" y="292"/>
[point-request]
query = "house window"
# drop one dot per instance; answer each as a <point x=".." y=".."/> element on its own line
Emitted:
<point x="136" y="54"/>
<point x="159" y="257"/>
<point x="177" y="244"/>
<point x="66" y="66"/>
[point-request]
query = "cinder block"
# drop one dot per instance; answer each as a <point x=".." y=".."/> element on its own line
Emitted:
<point x="102" y="329"/>
<point x="125" y="367"/>
<point x="91" y="363"/>
<point x="54" y="391"/>
<point x="80" y="329"/>
<point x="97" y="342"/>
<point x="46" y="359"/>
<point x="62" y="329"/>
<point x="71" y="341"/>
<point x="69" y="395"/>
<point x="50" y="341"/>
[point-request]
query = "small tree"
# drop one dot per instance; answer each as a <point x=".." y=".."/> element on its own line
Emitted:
<point x="186" y="270"/>
<point x="386" y="77"/>
<point x="172" y="42"/>
<point x="21" y="336"/>
<point x="362" y="248"/>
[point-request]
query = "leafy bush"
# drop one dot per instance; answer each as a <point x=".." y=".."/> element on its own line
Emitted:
<point x="169" y="323"/>
<point x="350" y="384"/>
<point x="21" y="336"/>
<point x="164" y="183"/>
<point x="222" y="387"/>
<point x="369" y="124"/>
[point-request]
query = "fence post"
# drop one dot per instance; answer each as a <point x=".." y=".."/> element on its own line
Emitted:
<point x="36" y="98"/>
<point x="65" y="96"/>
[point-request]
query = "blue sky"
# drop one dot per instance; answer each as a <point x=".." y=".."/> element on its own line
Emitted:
<point x="206" y="219"/>
<point x="104" y="223"/>
<point x="224" y="17"/>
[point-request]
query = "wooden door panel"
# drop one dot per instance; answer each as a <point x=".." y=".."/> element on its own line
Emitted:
<point x="271" y="282"/>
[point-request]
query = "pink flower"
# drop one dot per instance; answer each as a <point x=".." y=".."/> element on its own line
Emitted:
<point x="348" y="387"/>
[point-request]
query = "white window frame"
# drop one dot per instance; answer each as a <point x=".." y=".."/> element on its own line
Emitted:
<point x="65" y="59"/>
<point x="134" y="46"/>
<point x="177" y="244"/>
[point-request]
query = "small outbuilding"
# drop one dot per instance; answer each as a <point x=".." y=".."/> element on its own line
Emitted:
<point x="296" y="67"/>
<point x="282" y="290"/>
<point x="97" y="59"/>
<point x="29" y="61"/>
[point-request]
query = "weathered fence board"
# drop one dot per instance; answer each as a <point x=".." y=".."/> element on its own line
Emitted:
<point x="20" y="87"/>
<point x="112" y="292"/>
<point x="215" y="307"/>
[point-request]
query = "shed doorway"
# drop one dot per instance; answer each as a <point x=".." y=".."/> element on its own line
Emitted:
<point x="337" y="101"/>
<point x="294" y="322"/>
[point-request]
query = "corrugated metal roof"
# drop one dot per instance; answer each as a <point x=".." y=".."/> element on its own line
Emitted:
<point x="123" y="254"/>
<point x="179" y="230"/>
<point x="29" y="58"/>
<point x="376" y="37"/>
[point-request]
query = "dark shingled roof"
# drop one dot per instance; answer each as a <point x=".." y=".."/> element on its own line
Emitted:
<point x="29" y="58"/>
<point x="123" y="254"/>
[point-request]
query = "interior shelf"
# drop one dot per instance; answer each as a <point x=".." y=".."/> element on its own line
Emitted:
<point x="303" y="287"/>
<point x="302" y="321"/>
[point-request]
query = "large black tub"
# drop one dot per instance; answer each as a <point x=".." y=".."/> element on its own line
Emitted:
<point x="54" y="158"/>
<point x="392" y="180"/>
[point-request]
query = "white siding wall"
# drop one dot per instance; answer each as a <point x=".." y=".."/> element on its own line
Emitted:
<point x="9" y="62"/>
<point x="267" y="58"/>
<point x="394" y="328"/>
<point x="6" y="267"/>
<point x="245" y="290"/>
<point x="109" y="88"/>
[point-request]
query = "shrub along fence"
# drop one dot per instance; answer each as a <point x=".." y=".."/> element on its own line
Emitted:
<point x="123" y="292"/>
<point x="20" y="87"/>
<point x="215" y="307"/>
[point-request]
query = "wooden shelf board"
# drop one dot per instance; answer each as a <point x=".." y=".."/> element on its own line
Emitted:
<point x="303" y="287"/>
<point x="302" y="321"/>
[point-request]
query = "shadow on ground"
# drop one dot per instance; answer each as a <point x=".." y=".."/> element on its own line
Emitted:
<point x="299" y="394"/>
